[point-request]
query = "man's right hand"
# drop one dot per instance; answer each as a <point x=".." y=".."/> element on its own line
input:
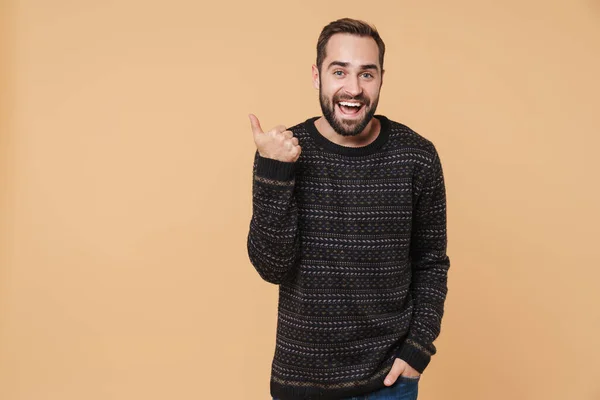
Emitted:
<point x="278" y="143"/>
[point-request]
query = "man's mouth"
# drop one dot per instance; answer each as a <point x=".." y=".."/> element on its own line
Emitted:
<point x="350" y="108"/>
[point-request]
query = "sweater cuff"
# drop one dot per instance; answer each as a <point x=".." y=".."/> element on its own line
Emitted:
<point x="415" y="357"/>
<point x="275" y="169"/>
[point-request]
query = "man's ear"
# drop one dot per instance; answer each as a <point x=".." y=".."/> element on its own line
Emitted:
<point x="315" y="76"/>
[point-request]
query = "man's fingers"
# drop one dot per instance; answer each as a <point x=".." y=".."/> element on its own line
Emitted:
<point x="278" y="129"/>
<point x="396" y="370"/>
<point x="296" y="150"/>
<point x="256" y="129"/>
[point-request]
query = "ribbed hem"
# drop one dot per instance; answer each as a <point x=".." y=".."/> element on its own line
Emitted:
<point x="305" y="391"/>
<point x="275" y="169"/>
<point x="310" y="393"/>
<point x="414" y="357"/>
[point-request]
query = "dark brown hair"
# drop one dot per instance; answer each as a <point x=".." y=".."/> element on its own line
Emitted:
<point x="353" y="27"/>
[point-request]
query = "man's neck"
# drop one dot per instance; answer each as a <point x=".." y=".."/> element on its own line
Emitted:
<point x="368" y="135"/>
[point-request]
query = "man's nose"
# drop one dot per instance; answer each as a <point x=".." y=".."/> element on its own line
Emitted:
<point x="352" y="87"/>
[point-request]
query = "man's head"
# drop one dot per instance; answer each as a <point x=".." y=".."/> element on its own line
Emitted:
<point x="349" y="70"/>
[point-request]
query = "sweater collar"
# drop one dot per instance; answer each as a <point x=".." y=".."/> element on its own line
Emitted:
<point x="332" y="147"/>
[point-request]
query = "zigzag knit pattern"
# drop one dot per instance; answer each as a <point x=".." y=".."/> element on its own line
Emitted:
<point x="355" y="237"/>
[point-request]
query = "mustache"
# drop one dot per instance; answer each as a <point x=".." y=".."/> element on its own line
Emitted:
<point x="361" y="98"/>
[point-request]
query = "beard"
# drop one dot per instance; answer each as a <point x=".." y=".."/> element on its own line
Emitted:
<point x="347" y="127"/>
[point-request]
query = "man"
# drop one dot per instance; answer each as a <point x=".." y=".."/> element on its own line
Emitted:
<point x="349" y="219"/>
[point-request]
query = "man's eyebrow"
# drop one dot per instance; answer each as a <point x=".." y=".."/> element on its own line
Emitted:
<point x="370" y="66"/>
<point x="346" y="64"/>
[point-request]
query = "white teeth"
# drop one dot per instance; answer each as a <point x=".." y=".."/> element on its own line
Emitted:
<point x="345" y="103"/>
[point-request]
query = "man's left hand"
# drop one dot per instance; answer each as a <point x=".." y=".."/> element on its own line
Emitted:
<point x="400" y="367"/>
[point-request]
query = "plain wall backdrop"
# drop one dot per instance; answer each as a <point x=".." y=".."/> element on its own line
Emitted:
<point x="126" y="170"/>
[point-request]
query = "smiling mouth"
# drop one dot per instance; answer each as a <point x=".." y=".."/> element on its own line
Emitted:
<point x="350" y="108"/>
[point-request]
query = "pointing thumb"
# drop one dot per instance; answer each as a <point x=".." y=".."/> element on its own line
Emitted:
<point x="256" y="129"/>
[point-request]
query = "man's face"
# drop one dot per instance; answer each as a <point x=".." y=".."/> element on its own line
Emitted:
<point x="350" y="73"/>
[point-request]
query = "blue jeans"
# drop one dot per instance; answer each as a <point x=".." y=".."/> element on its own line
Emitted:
<point x="403" y="389"/>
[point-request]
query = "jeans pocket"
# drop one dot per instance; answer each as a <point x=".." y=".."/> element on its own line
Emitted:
<point x="410" y="378"/>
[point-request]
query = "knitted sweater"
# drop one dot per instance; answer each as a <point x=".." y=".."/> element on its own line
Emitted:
<point x="355" y="237"/>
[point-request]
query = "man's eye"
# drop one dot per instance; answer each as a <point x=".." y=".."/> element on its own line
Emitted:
<point x="336" y="73"/>
<point x="367" y="75"/>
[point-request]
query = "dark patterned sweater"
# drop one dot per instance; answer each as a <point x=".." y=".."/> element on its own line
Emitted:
<point x="355" y="237"/>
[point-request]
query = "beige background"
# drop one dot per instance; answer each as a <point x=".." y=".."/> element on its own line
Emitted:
<point x="126" y="159"/>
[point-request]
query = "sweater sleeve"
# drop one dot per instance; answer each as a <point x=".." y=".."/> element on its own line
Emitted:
<point x="430" y="266"/>
<point x="273" y="240"/>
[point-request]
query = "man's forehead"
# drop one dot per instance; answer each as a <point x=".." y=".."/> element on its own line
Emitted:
<point x="354" y="50"/>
